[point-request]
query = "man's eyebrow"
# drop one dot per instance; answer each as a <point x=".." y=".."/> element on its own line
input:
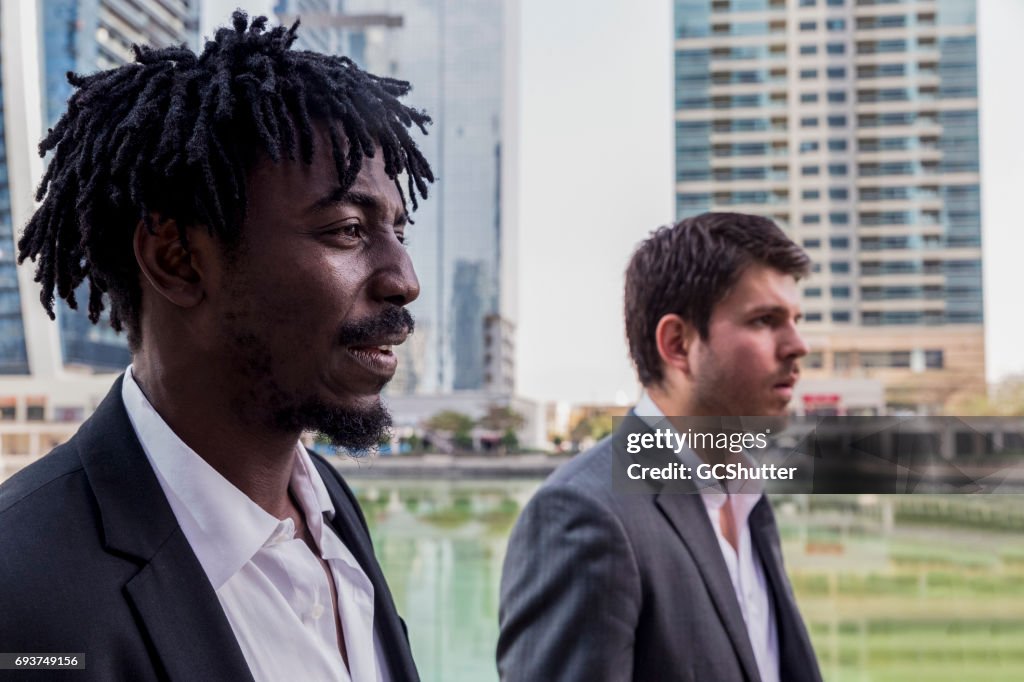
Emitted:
<point x="769" y="309"/>
<point x="355" y="198"/>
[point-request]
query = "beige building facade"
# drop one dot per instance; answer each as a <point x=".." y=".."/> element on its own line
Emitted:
<point x="854" y="125"/>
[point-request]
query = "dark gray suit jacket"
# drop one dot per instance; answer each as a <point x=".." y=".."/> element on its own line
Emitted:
<point x="93" y="561"/>
<point x="600" y="584"/>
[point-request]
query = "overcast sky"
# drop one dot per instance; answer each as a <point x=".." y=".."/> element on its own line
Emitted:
<point x="596" y="165"/>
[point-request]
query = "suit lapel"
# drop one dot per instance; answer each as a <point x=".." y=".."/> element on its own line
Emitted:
<point x="349" y="524"/>
<point x="796" y="655"/>
<point x="184" y="618"/>
<point x="171" y="594"/>
<point x="687" y="515"/>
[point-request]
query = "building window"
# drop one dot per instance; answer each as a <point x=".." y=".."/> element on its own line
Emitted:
<point x="812" y="219"/>
<point x="839" y="242"/>
<point x="838" y="194"/>
<point x="890" y="359"/>
<point x="814" y="360"/>
<point x="809" y="97"/>
<point x="839" y="218"/>
<point x="810" y="170"/>
<point x="839" y="267"/>
<point x="835" y="48"/>
<point x="836" y="24"/>
<point x="808" y="146"/>
<point x="808" y="25"/>
<point x="838" y="169"/>
<point x="842" y="360"/>
<point x="808" y="73"/>
<point x="813" y="292"/>
<point x="35" y="413"/>
<point x="810" y="194"/>
<point x="836" y="121"/>
<point x="836" y="96"/>
<point x="837" y="145"/>
<point x="836" y="72"/>
<point x="933" y="359"/>
<point x="68" y="414"/>
<point x="809" y="122"/>
<point x="840" y="292"/>
<point x="840" y="315"/>
<point x="808" y="49"/>
<point x="812" y="317"/>
<point x="836" y="3"/>
<point x="812" y="243"/>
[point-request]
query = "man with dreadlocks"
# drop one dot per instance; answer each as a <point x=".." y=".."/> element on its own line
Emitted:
<point x="241" y="213"/>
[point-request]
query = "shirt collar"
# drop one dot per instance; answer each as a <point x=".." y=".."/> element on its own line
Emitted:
<point x="652" y="415"/>
<point x="649" y="411"/>
<point x="223" y="526"/>
<point x="712" y="491"/>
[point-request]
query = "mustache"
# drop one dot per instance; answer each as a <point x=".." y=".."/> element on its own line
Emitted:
<point x="393" y="321"/>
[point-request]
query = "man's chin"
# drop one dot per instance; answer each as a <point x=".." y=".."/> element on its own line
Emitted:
<point x="358" y="427"/>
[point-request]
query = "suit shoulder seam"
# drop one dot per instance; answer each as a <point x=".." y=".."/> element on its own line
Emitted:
<point x="40" y="488"/>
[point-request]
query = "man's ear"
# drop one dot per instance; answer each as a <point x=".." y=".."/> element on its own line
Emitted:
<point x="674" y="338"/>
<point x="172" y="270"/>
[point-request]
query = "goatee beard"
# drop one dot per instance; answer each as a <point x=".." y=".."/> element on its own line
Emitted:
<point x="354" y="430"/>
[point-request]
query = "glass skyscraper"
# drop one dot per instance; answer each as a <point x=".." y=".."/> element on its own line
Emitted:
<point x="460" y="58"/>
<point x="853" y="124"/>
<point x="13" y="354"/>
<point x="85" y="36"/>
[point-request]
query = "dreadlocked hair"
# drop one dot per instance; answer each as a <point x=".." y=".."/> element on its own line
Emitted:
<point x="174" y="134"/>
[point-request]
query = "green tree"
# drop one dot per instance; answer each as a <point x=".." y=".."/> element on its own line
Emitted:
<point x="596" y="426"/>
<point x="502" y="418"/>
<point x="451" y="421"/>
<point x="509" y="440"/>
<point x="457" y="425"/>
<point x="1005" y="399"/>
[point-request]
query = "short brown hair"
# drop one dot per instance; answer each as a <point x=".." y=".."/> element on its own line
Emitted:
<point x="687" y="268"/>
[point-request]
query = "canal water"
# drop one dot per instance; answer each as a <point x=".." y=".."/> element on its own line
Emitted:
<point x="892" y="587"/>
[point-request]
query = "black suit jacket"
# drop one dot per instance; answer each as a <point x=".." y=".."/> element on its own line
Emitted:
<point x="600" y="584"/>
<point x="93" y="561"/>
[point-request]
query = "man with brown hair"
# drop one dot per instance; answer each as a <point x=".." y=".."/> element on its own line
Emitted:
<point x="599" y="584"/>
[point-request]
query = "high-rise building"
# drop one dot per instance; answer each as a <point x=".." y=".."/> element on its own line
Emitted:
<point x="19" y="121"/>
<point x="49" y="382"/>
<point x="13" y="350"/>
<point x="853" y="124"/>
<point x="461" y="59"/>
<point x="85" y="36"/>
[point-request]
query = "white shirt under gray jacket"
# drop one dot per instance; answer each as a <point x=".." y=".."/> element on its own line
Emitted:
<point x="602" y="584"/>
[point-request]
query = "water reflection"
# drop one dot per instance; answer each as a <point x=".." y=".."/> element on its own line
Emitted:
<point x="892" y="587"/>
<point x="441" y="545"/>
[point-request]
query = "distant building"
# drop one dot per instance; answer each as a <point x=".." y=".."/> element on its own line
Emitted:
<point x="838" y="398"/>
<point x="854" y="125"/>
<point x="48" y="386"/>
<point x="85" y="36"/>
<point x="412" y="412"/>
<point x="462" y="61"/>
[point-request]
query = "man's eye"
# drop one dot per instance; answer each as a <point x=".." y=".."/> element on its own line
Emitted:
<point x="350" y="230"/>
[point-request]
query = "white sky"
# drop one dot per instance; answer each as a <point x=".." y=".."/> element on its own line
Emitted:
<point x="596" y="175"/>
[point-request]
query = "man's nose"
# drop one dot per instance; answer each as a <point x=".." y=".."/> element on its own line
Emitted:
<point x="396" y="281"/>
<point x="792" y="345"/>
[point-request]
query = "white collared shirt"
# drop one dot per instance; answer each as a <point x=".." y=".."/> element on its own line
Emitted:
<point x="745" y="571"/>
<point x="274" y="591"/>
